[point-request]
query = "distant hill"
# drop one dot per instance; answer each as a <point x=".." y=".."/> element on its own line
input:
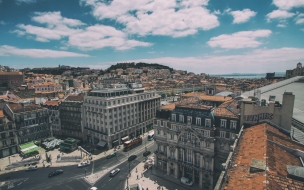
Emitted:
<point x="137" y="65"/>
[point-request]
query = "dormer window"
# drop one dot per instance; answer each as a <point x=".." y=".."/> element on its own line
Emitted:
<point x="222" y="134"/>
<point x="158" y="122"/>
<point x="233" y="124"/>
<point x="208" y="122"/>
<point x="189" y="119"/>
<point x="198" y="121"/>
<point x="223" y="123"/>
<point x="181" y="118"/>
<point x="173" y="117"/>
<point x="165" y="123"/>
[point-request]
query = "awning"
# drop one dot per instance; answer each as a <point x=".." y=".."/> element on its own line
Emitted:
<point x="102" y="143"/>
<point x="26" y="145"/>
<point x="30" y="150"/>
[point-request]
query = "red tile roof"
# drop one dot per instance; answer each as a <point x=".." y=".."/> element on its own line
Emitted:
<point x="228" y="109"/>
<point x="255" y="143"/>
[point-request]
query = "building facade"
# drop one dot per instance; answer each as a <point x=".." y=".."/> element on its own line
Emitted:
<point x="8" y="141"/>
<point x="54" y="117"/>
<point x="11" y="79"/>
<point x="48" y="87"/>
<point x="71" y="116"/>
<point x="31" y="120"/>
<point x="298" y="71"/>
<point x="115" y="113"/>
<point x="186" y="141"/>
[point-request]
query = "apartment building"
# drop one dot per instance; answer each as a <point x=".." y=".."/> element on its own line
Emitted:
<point x="119" y="112"/>
<point x="11" y="79"/>
<point x="48" y="87"/>
<point x="31" y="120"/>
<point x="71" y="116"/>
<point x="8" y="145"/>
<point x="186" y="141"/>
<point x="54" y="118"/>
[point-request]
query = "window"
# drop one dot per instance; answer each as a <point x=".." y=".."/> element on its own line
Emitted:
<point x="222" y="145"/>
<point x="197" y="159"/>
<point x="173" y="127"/>
<point x="207" y="133"/>
<point x="158" y="131"/>
<point x="208" y="122"/>
<point x="189" y="156"/>
<point x="158" y="122"/>
<point x="172" y="136"/>
<point x="223" y="123"/>
<point x="189" y="119"/>
<point x="222" y="134"/>
<point x="232" y="136"/>
<point x="165" y="133"/>
<point x="181" y="118"/>
<point x="165" y="123"/>
<point x="181" y="154"/>
<point x="198" y="121"/>
<point x="207" y="144"/>
<point x="118" y="101"/>
<point x="159" y="147"/>
<point x="233" y="124"/>
<point x="173" y="117"/>
<point x="172" y="154"/>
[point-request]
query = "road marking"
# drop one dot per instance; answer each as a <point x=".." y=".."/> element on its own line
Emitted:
<point x="19" y="184"/>
<point x="103" y="185"/>
<point x="69" y="187"/>
<point x="110" y="179"/>
<point x="93" y="168"/>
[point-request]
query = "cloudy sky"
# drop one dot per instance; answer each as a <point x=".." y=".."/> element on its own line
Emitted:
<point x="214" y="37"/>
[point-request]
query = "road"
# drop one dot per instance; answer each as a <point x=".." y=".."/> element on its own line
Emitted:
<point x="72" y="176"/>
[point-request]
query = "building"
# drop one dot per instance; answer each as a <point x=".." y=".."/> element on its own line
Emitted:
<point x="48" y="87"/>
<point x="115" y="113"/>
<point x="298" y="71"/>
<point x="185" y="139"/>
<point x="71" y="116"/>
<point x="31" y="120"/>
<point x="273" y="111"/>
<point x="11" y="79"/>
<point x="265" y="158"/>
<point x="54" y="116"/>
<point x="8" y="141"/>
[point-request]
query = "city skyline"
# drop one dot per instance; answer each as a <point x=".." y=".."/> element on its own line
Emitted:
<point x="199" y="36"/>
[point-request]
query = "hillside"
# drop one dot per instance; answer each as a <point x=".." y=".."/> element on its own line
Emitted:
<point x="137" y="66"/>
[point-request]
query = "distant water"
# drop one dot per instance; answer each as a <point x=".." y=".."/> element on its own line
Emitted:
<point x="247" y="75"/>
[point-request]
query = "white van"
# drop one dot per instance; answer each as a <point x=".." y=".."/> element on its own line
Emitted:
<point x="186" y="181"/>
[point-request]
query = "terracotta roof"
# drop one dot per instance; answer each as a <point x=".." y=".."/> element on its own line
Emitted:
<point x="77" y="98"/>
<point x="1" y="113"/>
<point x="47" y="83"/>
<point x="11" y="73"/>
<point x="192" y="103"/>
<point x="256" y="143"/>
<point x="169" y="106"/>
<point x="208" y="98"/>
<point x="18" y="108"/>
<point x="228" y="109"/>
<point x="51" y="103"/>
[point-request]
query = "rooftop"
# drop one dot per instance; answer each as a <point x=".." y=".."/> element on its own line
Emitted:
<point x="51" y="103"/>
<point x="1" y="113"/>
<point x="228" y="109"/>
<point x="169" y="106"/>
<point x="10" y="73"/>
<point x="261" y="144"/>
<point x="207" y="98"/>
<point x="75" y="97"/>
<point x="192" y="103"/>
<point x="19" y="108"/>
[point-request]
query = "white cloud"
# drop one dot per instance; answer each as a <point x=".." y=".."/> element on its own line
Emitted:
<point x="242" y="16"/>
<point x="18" y="2"/>
<point x="217" y="12"/>
<point x="157" y="17"/>
<point x="279" y="15"/>
<point x="37" y="53"/>
<point x="243" y="39"/>
<point x="281" y="25"/>
<point x="288" y="4"/>
<point x="56" y="28"/>
<point x="253" y="61"/>
<point x="300" y="18"/>
<point x="100" y="36"/>
<point x="2" y="22"/>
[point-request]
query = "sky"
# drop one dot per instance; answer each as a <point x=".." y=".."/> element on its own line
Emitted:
<point x="200" y="36"/>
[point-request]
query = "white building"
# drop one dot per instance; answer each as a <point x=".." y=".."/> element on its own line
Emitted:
<point x="119" y="112"/>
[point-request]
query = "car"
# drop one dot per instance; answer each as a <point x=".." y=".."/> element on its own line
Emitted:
<point x="132" y="157"/>
<point x="186" y="181"/>
<point x="114" y="172"/>
<point x="83" y="164"/>
<point x="111" y="155"/>
<point x="32" y="168"/>
<point x="56" y="172"/>
<point x="146" y="153"/>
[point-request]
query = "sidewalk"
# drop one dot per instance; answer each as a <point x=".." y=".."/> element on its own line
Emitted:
<point x="153" y="179"/>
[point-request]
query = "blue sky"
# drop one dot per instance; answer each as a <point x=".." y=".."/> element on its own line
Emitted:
<point x="201" y="36"/>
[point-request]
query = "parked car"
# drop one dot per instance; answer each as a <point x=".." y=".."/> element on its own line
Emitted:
<point x="132" y="157"/>
<point x="32" y="168"/>
<point x="186" y="181"/>
<point x="146" y="153"/>
<point x="56" y="172"/>
<point x="114" y="172"/>
<point x="83" y="164"/>
<point x="111" y="155"/>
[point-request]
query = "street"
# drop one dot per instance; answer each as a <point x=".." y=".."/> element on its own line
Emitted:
<point x="72" y="177"/>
